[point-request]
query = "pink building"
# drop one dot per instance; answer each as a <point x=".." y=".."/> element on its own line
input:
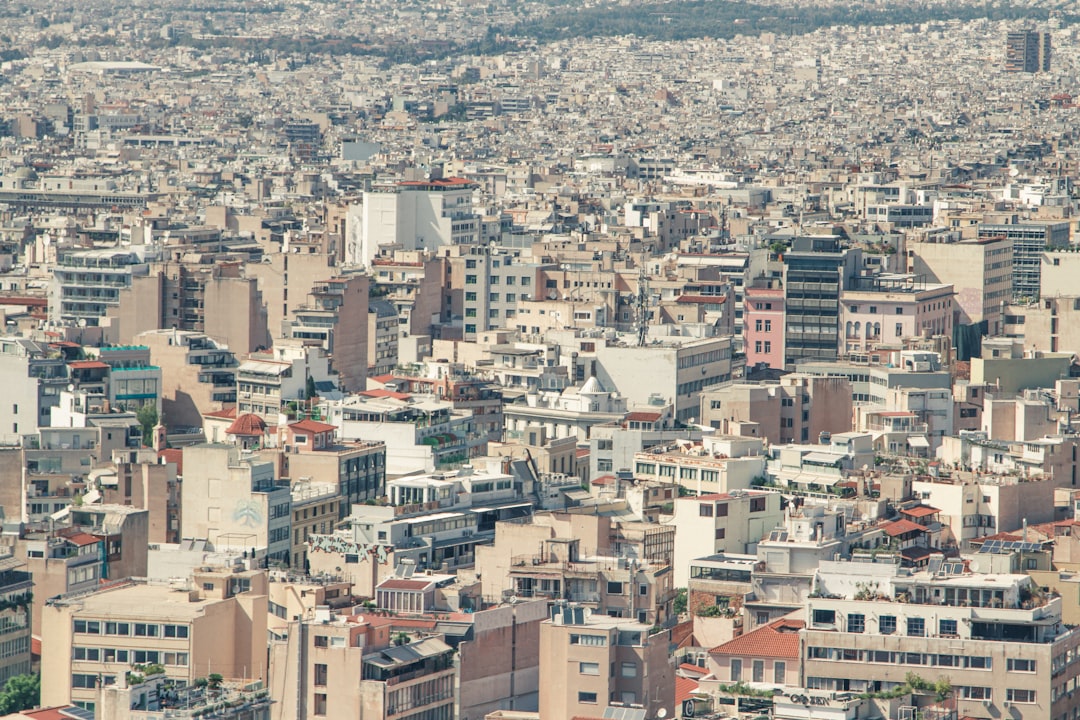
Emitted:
<point x="763" y="323"/>
<point x="897" y="307"/>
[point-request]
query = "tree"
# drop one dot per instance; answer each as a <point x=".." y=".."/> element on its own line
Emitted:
<point x="21" y="692"/>
<point x="680" y="601"/>
<point x="148" y="418"/>
<point x="310" y="391"/>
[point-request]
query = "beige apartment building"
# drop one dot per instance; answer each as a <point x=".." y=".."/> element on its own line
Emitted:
<point x="211" y="299"/>
<point x="214" y="623"/>
<point x="198" y="375"/>
<point x="997" y="637"/>
<point x="347" y="667"/>
<point x="590" y="662"/>
<point x="233" y="499"/>
<point x="798" y="409"/>
<point x="980" y="270"/>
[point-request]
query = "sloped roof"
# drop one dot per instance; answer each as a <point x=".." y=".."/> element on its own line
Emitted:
<point x="311" y="426"/>
<point x="684" y="686"/>
<point x="778" y="639"/>
<point x="247" y="424"/>
<point x="902" y="527"/>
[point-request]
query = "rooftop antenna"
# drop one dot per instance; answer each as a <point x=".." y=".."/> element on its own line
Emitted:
<point x="642" y="302"/>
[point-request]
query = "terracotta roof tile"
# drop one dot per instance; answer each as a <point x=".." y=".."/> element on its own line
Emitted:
<point x="683" y="688"/>
<point x="778" y="639"/>
<point x="247" y="424"/>
<point x="902" y="527"/>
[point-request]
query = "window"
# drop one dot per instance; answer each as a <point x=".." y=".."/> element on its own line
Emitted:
<point x="856" y="622"/>
<point x="916" y="627"/>
<point x="322" y="641"/>
<point x="614" y="588"/>
<point x="899" y="329"/>
<point x="873" y="309"/>
<point x="779" y="671"/>
<point x="824" y="617"/>
<point x="721" y="508"/>
<point x="470" y="279"/>
<point x="176" y="631"/>
<point x="705" y="510"/>
<point x="758" y="671"/>
<point x="643" y="590"/>
<point x="980" y="662"/>
<point x="320" y="674"/>
<point x="757" y="504"/>
<point x="320" y="703"/>
<point x="768" y="346"/>
<point x="628" y="669"/>
<point x="887" y="624"/>
<point x="721" y="533"/>
<point x="1020" y="696"/>
<point x="975" y="693"/>
<point x="899" y="311"/>
<point x="90" y="627"/>
<point x="768" y="326"/>
<point x="83" y="681"/>
<point x="586" y="697"/>
<point x="114" y="628"/>
<point x="589" y="640"/>
<point x="1018" y="665"/>
<point x="146" y="630"/>
<point x="947" y="627"/>
<point x="589" y="668"/>
<point x="736" y="670"/>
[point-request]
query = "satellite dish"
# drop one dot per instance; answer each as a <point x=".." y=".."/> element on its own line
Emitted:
<point x="661" y="713"/>
<point x="512" y="599"/>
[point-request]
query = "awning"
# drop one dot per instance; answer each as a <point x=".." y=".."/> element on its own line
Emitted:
<point x="578" y="495"/>
<point x="821" y="458"/>
<point x="918" y="441"/>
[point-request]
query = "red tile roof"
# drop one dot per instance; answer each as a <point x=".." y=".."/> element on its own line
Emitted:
<point x="398" y="584"/>
<point x="604" y="480"/>
<point x="902" y="527"/>
<point x="248" y="424"/>
<point x="778" y="639"/>
<point x="88" y="365"/>
<point x="175" y="456"/>
<point x="683" y="688"/>
<point x="644" y="416"/>
<point x="920" y="511"/>
<point x="82" y="539"/>
<point x="382" y="393"/>
<point x="226" y="414"/>
<point x="312" y="426"/>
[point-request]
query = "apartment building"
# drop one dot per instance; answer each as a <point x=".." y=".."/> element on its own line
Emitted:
<point x="267" y="382"/>
<point x="212" y="299"/>
<point x="732" y="522"/>
<point x="414" y="215"/>
<point x="347" y="666"/>
<point x="799" y="408"/>
<point x="763" y="323"/>
<point x="1029" y="240"/>
<point x="310" y="452"/>
<point x="589" y="663"/>
<point x="979" y="269"/>
<point x="716" y="464"/>
<point x="335" y="316"/>
<point x="198" y="374"/>
<point x="382" y="333"/>
<point x="315" y="510"/>
<point x="233" y="499"/>
<point x="671" y="372"/>
<point x="412" y="282"/>
<point x="816" y="271"/>
<point x="87" y="283"/>
<point x="16" y="586"/>
<point x="214" y="623"/>
<point x="34" y="377"/>
<point x="887" y="308"/>
<point x="491" y="280"/>
<point x="998" y="637"/>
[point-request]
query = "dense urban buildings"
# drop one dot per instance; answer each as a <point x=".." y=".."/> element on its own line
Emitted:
<point x="539" y="361"/>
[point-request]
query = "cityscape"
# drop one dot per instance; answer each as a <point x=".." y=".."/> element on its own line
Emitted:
<point x="532" y="360"/>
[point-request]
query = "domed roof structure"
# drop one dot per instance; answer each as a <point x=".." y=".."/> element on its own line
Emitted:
<point x="247" y="425"/>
